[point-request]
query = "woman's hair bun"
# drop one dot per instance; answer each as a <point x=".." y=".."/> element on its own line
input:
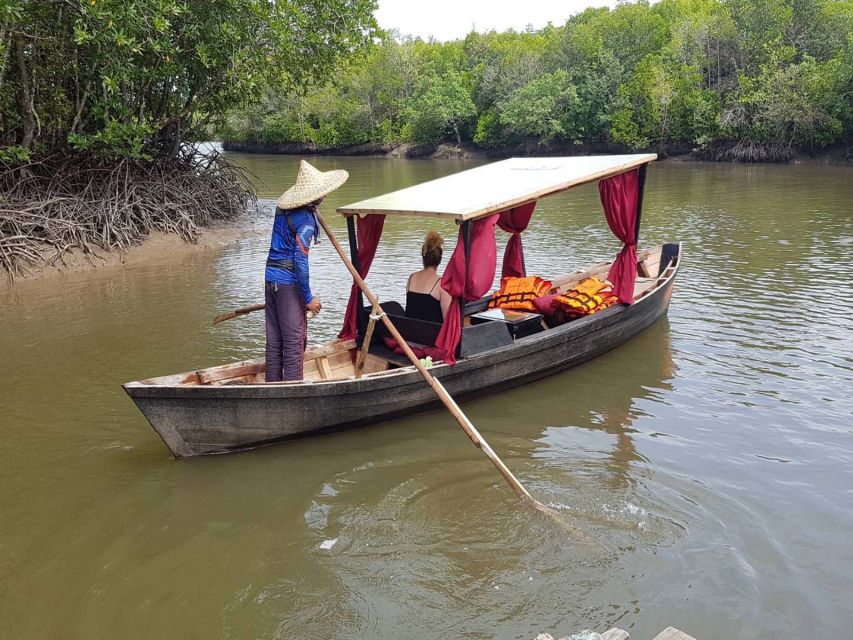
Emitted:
<point x="431" y="251"/>
<point x="433" y="241"/>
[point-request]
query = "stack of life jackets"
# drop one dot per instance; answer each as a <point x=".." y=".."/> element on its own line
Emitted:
<point x="588" y="297"/>
<point x="519" y="294"/>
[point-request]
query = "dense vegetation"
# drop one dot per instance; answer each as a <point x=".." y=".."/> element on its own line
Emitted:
<point x="100" y="101"/>
<point x="745" y="79"/>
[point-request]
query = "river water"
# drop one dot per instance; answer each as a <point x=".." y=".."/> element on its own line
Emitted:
<point x="712" y="456"/>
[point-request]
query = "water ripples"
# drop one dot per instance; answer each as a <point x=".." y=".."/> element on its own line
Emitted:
<point x="711" y="456"/>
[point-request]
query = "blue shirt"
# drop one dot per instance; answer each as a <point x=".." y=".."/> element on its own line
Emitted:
<point x="284" y="245"/>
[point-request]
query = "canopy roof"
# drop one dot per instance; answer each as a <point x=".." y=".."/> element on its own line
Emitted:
<point x="496" y="187"/>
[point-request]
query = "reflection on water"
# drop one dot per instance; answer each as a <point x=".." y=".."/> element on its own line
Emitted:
<point x="711" y="455"/>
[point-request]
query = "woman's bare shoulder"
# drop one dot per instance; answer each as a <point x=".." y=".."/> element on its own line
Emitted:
<point x="421" y="281"/>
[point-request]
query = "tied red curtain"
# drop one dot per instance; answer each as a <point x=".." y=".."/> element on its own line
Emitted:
<point x="481" y="274"/>
<point x="619" y="197"/>
<point x="515" y="221"/>
<point x="368" y="232"/>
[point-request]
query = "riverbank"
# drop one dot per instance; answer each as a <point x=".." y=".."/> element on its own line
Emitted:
<point x="464" y="151"/>
<point x="75" y="209"/>
<point x="839" y="153"/>
<point x="158" y="246"/>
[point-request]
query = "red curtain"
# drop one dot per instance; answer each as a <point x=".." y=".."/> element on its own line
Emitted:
<point x="368" y="232"/>
<point x="515" y="221"/>
<point x="481" y="275"/>
<point x="619" y="197"/>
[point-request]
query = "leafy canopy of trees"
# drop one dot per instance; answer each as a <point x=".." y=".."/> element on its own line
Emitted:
<point x="136" y="78"/>
<point x="763" y="75"/>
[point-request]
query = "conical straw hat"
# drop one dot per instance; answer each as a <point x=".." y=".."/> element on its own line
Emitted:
<point x="311" y="184"/>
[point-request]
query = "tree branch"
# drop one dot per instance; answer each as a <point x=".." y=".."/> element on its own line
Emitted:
<point x="25" y="97"/>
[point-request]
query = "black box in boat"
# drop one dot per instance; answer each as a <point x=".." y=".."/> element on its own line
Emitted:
<point x="519" y="324"/>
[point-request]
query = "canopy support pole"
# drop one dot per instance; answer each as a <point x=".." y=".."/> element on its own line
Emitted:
<point x="466" y="241"/>
<point x="641" y="185"/>
<point x="365" y="345"/>
<point x="353" y="250"/>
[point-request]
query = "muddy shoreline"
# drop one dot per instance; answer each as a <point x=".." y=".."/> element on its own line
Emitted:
<point x="840" y="153"/>
<point x="156" y="246"/>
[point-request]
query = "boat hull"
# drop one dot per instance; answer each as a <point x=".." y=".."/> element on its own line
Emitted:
<point x="208" y="419"/>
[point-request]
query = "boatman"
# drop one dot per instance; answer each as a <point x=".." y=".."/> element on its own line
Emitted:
<point x="287" y="289"/>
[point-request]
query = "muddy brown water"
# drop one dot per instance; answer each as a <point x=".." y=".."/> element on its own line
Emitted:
<point x="713" y="454"/>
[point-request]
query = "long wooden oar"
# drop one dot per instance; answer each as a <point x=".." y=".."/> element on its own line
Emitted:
<point x="441" y="392"/>
<point x="222" y="317"/>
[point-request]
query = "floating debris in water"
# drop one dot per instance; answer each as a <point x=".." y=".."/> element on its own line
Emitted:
<point x="328" y="544"/>
<point x="633" y="509"/>
<point x="670" y="633"/>
<point x="586" y="634"/>
<point x="558" y="506"/>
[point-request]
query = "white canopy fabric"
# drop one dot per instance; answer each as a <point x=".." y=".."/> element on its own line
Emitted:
<point x="495" y="187"/>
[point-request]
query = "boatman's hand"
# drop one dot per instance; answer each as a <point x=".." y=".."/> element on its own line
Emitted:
<point x="315" y="305"/>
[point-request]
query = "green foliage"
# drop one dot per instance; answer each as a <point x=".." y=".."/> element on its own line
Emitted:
<point x="598" y="82"/>
<point x="664" y="102"/>
<point x="360" y="103"/>
<point x="115" y="140"/>
<point x="136" y="78"/>
<point x="489" y="132"/>
<point x="15" y="155"/>
<point x="625" y="127"/>
<point x="438" y="104"/>
<point x="500" y="63"/>
<point x="543" y="109"/>
<point x="279" y="126"/>
<point x="791" y="104"/>
<point x="769" y="72"/>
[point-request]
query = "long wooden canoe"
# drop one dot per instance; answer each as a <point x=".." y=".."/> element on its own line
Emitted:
<point x="231" y="407"/>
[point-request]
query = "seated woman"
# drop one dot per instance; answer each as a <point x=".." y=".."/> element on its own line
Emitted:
<point x="425" y="299"/>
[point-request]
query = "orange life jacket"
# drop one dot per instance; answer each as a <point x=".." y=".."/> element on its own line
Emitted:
<point x="519" y="293"/>
<point x="592" y="286"/>
<point x="589" y="296"/>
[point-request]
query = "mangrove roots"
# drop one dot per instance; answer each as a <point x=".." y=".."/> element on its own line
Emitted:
<point x="62" y="202"/>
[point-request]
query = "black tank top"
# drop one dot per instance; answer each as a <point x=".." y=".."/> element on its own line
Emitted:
<point x="422" y="305"/>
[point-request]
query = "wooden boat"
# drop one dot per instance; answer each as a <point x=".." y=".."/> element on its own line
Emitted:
<point x="231" y="407"/>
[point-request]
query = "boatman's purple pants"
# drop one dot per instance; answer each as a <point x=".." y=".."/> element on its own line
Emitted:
<point x="287" y="331"/>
